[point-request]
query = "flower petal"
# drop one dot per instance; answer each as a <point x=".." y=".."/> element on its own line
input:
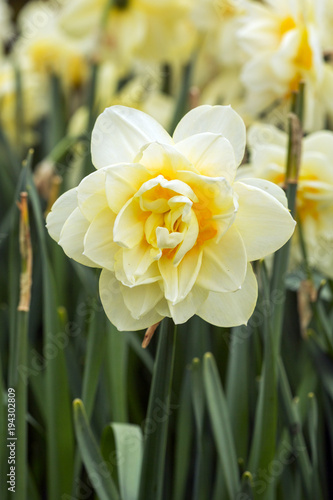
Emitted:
<point x="211" y="155"/>
<point x="61" y="210"/>
<point x="162" y="158"/>
<point x="179" y="280"/>
<point x="128" y="228"/>
<point x="110" y="291"/>
<point x="98" y="242"/>
<point x="224" y="263"/>
<point x="142" y="299"/>
<point x="218" y="120"/>
<point x="120" y="132"/>
<point x="231" y="308"/>
<point x="263" y="134"/>
<point x="134" y="265"/>
<point x="91" y="194"/>
<point x="184" y="310"/>
<point x="263" y="222"/>
<point x="268" y="187"/>
<point x="122" y="182"/>
<point x="72" y="237"/>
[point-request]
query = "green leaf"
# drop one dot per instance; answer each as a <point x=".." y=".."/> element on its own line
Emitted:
<point x="295" y="427"/>
<point x="263" y="445"/>
<point x="221" y="425"/>
<point x="184" y="437"/>
<point x="116" y="366"/>
<point x="156" y="423"/>
<point x="59" y="430"/>
<point x="97" y="469"/>
<point x="238" y="387"/>
<point x="122" y="445"/>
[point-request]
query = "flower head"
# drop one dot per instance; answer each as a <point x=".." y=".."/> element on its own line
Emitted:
<point x="314" y="203"/>
<point x="167" y="223"/>
<point x="285" y="43"/>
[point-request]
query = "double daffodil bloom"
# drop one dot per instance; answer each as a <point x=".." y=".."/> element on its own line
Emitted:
<point x="164" y="218"/>
<point x="285" y="43"/>
<point x="314" y="201"/>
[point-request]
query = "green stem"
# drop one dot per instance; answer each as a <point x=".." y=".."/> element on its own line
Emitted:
<point x="156" y="423"/>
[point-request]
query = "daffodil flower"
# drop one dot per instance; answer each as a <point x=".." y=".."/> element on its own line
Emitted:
<point x="314" y="202"/>
<point x="164" y="218"/>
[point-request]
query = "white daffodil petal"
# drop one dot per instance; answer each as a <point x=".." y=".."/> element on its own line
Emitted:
<point x="211" y="154"/>
<point x="184" y="310"/>
<point x="141" y="299"/>
<point x="319" y="141"/>
<point x="167" y="240"/>
<point x="136" y="261"/>
<point x="98" y="242"/>
<point x="120" y="132"/>
<point x="262" y="134"/>
<point x="162" y="158"/>
<point x="231" y="308"/>
<point x="268" y="187"/>
<point x="122" y="182"/>
<point x="263" y="222"/>
<point x="72" y="237"/>
<point x="190" y="237"/>
<point x="169" y="274"/>
<point x="110" y="291"/>
<point x="61" y="210"/>
<point x="91" y="194"/>
<point x="128" y="229"/>
<point x="224" y="263"/>
<point x="218" y="120"/>
<point x="175" y="185"/>
<point x="188" y="271"/>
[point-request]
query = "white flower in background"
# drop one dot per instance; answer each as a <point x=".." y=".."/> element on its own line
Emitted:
<point x="49" y="48"/>
<point x="33" y="100"/>
<point x="126" y="29"/>
<point x="164" y="218"/>
<point x="314" y="203"/>
<point x="284" y="42"/>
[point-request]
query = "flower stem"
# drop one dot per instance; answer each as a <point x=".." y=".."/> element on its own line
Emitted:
<point x="156" y="423"/>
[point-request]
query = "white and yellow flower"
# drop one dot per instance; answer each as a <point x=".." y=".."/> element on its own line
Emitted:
<point x="314" y="203"/>
<point x="285" y="45"/>
<point x="33" y="101"/>
<point x="167" y="223"/>
<point x="49" y="48"/>
<point x="125" y="29"/>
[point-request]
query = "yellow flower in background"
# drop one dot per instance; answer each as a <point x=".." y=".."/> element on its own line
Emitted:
<point x="314" y="202"/>
<point x="34" y="103"/>
<point x="49" y="48"/>
<point x="285" y="44"/>
<point x="167" y="223"/>
<point x="125" y="29"/>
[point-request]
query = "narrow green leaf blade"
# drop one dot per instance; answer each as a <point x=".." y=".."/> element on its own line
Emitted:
<point x="220" y="420"/>
<point x="97" y="469"/>
<point x="156" y="428"/>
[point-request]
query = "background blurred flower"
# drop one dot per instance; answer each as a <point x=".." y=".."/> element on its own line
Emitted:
<point x="49" y="48"/>
<point x="284" y="44"/>
<point x="314" y="204"/>
<point x="32" y="101"/>
<point x="165" y="220"/>
<point x="155" y="31"/>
